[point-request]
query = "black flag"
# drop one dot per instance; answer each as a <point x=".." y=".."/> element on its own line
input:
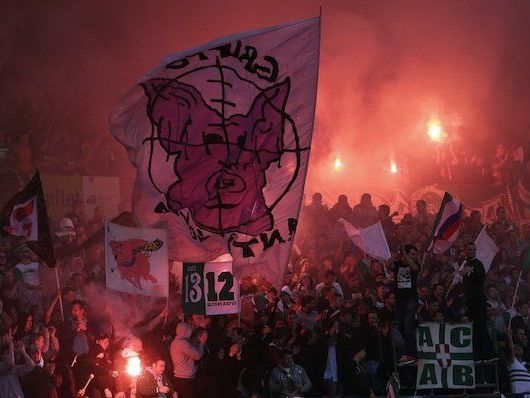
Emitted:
<point x="25" y="216"/>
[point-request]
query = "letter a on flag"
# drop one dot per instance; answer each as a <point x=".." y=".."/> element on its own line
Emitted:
<point x="220" y="137"/>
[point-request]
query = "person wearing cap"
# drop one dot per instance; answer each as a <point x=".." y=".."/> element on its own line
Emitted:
<point x="357" y="381"/>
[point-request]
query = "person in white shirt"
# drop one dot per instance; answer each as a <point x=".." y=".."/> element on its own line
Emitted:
<point x="330" y="278"/>
<point x="29" y="268"/>
<point x="517" y="372"/>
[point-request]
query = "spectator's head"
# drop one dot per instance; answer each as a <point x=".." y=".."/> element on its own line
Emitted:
<point x="335" y="300"/>
<point x="423" y="293"/>
<point x="68" y="294"/>
<point x="470" y="250"/>
<point x="366" y="200"/>
<point x="438" y="316"/>
<point x="475" y="216"/>
<point x="520" y="337"/>
<point x="518" y="352"/>
<point x="308" y="303"/>
<point x="103" y="341"/>
<point x="286" y="359"/>
<point x="200" y="321"/>
<point x="439" y="291"/>
<point x="99" y="213"/>
<point x="522" y="308"/>
<point x="343" y="200"/>
<point x="382" y="292"/>
<point x="306" y="281"/>
<point x="27" y="323"/>
<point x="158" y="366"/>
<point x="329" y="276"/>
<point x="383" y="212"/>
<point x="3" y="259"/>
<point x="327" y="262"/>
<point x="412" y="252"/>
<point x="24" y="253"/>
<point x="317" y="198"/>
<point x="78" y="309"/>
<point x="421" y="206"/>
<point x="492" y="292"/>
<point x="359" y="351"/>
<point x="373" y="318"/>
<point x="35" y="353"/>
<point x="272" y="294"/>
<point x="501" y="213"/>
<point x="390" y="301"/>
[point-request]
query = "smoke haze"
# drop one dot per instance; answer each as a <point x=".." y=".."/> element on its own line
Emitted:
<point x="386" y="68"/>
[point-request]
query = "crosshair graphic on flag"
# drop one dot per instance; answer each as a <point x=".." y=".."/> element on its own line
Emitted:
<point x="443" y="355"/>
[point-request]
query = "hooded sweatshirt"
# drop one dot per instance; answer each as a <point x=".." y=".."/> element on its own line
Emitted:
<point x="183" y="353"/>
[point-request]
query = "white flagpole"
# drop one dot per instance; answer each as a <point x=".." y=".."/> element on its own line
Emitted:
<point x="514" y="298"/>
<point x="59" y="292"/>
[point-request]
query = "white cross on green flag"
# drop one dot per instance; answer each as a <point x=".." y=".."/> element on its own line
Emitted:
<point x="445" y="356"/>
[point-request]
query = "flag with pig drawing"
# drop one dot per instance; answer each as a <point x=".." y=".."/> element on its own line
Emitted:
<point x="136" y="260"/>
<point x="220" y="137"/>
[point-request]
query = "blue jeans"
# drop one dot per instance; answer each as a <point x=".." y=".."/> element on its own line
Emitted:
<point x="406" y="308"/>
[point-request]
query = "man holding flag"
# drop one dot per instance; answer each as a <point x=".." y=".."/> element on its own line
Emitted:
<point x="473" y="280"/>
<point x="406" y="271"/>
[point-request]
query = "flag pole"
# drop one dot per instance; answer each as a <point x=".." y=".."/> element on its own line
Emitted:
<point x="59" y="293"/>
<point x="515" y="297"/>
<point x="168" y="286"/>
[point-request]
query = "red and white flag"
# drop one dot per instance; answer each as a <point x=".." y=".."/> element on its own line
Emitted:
<point x="136" y="260"/>
<point x="371" y="239"/>
<point x="25" y="215"/>
<point x="447" y="224"/>
<point x="220" y="137"/>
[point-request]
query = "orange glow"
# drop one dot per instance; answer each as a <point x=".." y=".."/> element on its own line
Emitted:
<point x="435" y="130"/>
<point x="337" y="165"/>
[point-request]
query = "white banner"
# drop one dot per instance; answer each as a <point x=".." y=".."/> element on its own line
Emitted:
<point x="220" y="136"/>
<point x="209" y="289"/>
<point x="136" y="260"/>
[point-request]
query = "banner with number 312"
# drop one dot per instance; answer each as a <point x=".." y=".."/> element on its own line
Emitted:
<point x="209" y="289"/>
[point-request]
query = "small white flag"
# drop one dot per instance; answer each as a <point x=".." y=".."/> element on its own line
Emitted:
<point x="370" y="239"/>
<point x="486" y="249"/>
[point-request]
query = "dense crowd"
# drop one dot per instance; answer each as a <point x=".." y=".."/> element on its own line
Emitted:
<point x="339" y="326"/>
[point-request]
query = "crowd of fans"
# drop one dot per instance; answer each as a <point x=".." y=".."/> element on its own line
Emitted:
<point x="339" y="326"/>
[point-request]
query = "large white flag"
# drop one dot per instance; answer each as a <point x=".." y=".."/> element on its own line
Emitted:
<point x="486" y="249"/>
<point x="136" y="260"/>
<point x="220" y="137"/>
<point x="371" y="239"/>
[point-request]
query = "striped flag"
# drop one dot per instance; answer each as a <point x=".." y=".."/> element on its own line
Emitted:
<point x="447" y="223"/>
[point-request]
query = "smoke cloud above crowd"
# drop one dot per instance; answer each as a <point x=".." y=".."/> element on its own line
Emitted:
<point x="387" y="69"/>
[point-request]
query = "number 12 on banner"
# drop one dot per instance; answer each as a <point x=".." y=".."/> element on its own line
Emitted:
<point x="209" y="289"/>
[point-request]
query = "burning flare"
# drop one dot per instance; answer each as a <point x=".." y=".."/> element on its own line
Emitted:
<point x="393" y="167"/>
<point x="134" y="365"/>
<point x="435" y="130"/>
<point x="337" y="165"/>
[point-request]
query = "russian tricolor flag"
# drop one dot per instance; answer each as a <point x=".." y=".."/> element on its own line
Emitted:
<point x="447" y="223"/>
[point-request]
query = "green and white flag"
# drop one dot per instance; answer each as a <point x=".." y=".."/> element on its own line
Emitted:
<point x="445" y="356"/>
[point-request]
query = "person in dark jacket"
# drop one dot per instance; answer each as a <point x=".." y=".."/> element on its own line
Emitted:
<point x="473" y="281"/>
<point x="357" y="382"/>
<point x="153" y="383"/>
